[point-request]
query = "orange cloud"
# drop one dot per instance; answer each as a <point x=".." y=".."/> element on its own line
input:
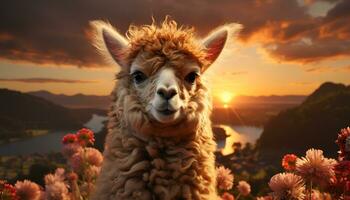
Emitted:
<point x="322" y="69"/>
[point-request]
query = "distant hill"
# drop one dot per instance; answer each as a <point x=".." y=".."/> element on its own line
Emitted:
<point x="103" y="102"/>
<point x="20" y="111"/>
<point x="253" y="110"/>
<point x="75" y="101"/>
<point x="315" y="123"/>
<point x="244" y="110"/>
<point x="248" y="114"/>
<point x="262" y="101"/>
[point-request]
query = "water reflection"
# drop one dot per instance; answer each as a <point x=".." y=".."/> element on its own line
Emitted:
<point x="52" y="141"/>
<point x="242" y="134"/>
<point x="47" y="143"/>
<point x="96" y="123"/>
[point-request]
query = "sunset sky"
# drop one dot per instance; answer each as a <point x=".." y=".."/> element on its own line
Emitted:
<point x="286" y="46"/>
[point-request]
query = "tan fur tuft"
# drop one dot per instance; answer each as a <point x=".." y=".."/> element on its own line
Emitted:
<point x="168" y="39"/>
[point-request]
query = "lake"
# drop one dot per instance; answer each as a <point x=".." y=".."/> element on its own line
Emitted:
<point x="242" y="134"/>
<point x="52" y="141"/>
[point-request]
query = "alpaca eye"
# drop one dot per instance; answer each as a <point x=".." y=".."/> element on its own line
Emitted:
<point x="138" y="77"/>
<point x="191" y="77"/>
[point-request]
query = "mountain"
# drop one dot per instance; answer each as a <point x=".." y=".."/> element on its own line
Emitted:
<point x="244" y="110"/>
<point x="313" y="124"/>
<point x="20" y="112"/>
<point x="249" y="101"/>
<point x="253" y="110"/>
<point x="103" y="102"/>
<point x="75" y="101"/>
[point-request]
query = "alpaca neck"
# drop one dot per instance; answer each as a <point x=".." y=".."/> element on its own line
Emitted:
<point x="162" y="167"/>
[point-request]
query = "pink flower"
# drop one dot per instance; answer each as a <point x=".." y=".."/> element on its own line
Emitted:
<point x="92" y="172"/>
<point x="287" y="186"/>
<point x="57" y="177"/>
<point x="224" y="178"/>
<point x="93" y="157"/>
<point x="90" y="156"/>
<point x="27" y="190"/>
<point x="85" y="137"/>
<point x="69" y="138"/>
<point x="50" y="179"/>
<point x="77" y="162"/>
<point x="227" y="196"/>
<point x="70" y="149"/>
<point x="55" y="187"/>
<point x="289" y="161"/>
<point x="56" y="191"/>
<point x="243" y="188"/>
<point x="59" y="173"/>
<point x="315" y="167"/>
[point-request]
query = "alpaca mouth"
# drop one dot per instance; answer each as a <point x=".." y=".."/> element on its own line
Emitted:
<point x="166" y="115"/>
<point x="167" y="112"/>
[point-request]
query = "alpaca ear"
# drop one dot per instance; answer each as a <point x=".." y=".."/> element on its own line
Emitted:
<point x="217" y="40"/>
<point x="109" y="43"/>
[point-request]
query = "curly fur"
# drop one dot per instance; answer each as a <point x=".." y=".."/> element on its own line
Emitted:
<point x="144" y="159"/>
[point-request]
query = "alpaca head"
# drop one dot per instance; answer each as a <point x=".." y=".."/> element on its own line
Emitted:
<point x="161" y="70"/>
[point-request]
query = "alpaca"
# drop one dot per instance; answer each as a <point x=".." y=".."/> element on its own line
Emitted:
<point x="160" y="142"/>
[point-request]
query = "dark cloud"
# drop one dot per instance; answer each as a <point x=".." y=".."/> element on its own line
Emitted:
<point x="312" y="39"/>
<point x="52" y="32"/>
<point x="45" y="80"/>
<point x="312" y="51"/>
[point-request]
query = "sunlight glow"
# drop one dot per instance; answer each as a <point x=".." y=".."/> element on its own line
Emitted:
<point x="226" y="97"/>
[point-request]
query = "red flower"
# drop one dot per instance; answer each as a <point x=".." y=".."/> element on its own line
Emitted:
<point x="7" y="191"/>
<point x="289" y="161"/>
<point x="227" y="196"/>
<point x="342" y="174"/>
<point x="347" y="186"/>
<point x="342" y="168"/>
<point x="69" y="138"/>
<point x="72" y="176"/>
<point x="344" y="146"/>
<point x="85" y="137"/>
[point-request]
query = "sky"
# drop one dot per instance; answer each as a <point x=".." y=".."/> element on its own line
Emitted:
<point x="286" y="46"/>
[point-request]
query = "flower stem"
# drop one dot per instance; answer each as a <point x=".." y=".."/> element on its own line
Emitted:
<point x="239" y="195"/>
<point x="310" y="189"/>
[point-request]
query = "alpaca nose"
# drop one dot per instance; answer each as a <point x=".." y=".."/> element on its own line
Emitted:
<point x="167" y="93"/>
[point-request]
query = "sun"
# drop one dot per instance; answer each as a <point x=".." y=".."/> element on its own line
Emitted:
<point x="226" y="98"/>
